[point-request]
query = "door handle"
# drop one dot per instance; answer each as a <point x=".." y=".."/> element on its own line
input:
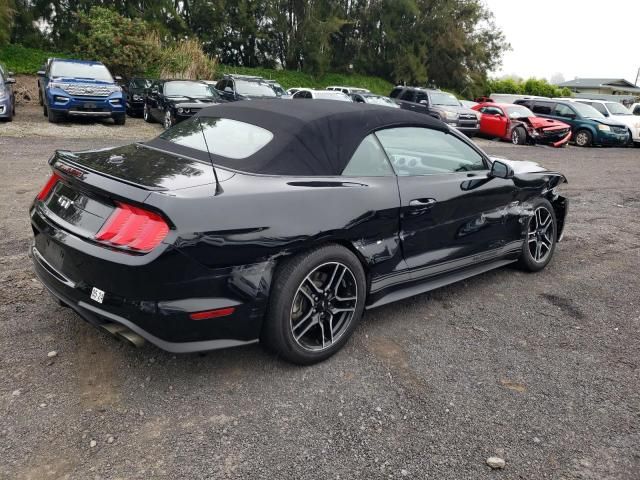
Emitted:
<point x="422" y="203"/>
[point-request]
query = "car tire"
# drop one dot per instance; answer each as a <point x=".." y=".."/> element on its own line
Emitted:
<point x="146" y="114"/>
<point x="54" y="117"/>
<point x="540" y="239"/>
<point x="120" y="119"/>
<point x="45" y="111"/>
<point x="519" y="136"/>
<point x="317" y="299"/>
<point x="583" y="138"/>
<point x="169" y="121"/>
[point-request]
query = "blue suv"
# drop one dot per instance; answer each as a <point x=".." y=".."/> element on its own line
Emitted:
<point x="82" y="89"/>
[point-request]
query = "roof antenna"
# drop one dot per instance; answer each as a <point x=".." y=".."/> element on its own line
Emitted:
<point x="215" y="174"/>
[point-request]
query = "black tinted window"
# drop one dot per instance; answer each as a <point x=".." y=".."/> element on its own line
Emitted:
<point x="369" y="160"/>
<point x="407" y="95"/>
<point x="422" y="151"/>
<point x="395" y="93"/>
<point x="542" y="108"/>
<point x="636" y="111"/>
<point x="420" y="96"/>
<point x="565" y="111"/>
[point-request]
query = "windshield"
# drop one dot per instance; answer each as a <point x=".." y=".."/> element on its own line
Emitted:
<point x="332" y="96"/>
<point x="91" y="71"/>
<point x="519" y="112"/>
<point x="187" y="89"/>
<point x="140" y="83"/>
<point x="586" y="111"/>
<point x="446" y="99"/>
<point x="385" y="101"/>
<point x="254" y="89"/>
<point x="617" y="109"/>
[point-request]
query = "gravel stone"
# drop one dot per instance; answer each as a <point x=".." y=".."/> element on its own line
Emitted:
<point x="496" y="462"/>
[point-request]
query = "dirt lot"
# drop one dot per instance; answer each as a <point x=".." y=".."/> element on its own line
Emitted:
<point x="540" y="369"/>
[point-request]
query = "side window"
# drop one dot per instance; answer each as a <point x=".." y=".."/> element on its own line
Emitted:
<point x="423" y="151"/>
<point x="491" y="111"/>
<point x="542" y="108"/>
<point x="407" y="95"/>
<point x="369" y="160"/>
<point x="220" y="85"/>
<point x="420" y="96"/>
<point x="565" y="111"/>
<point x="395" y="93"/>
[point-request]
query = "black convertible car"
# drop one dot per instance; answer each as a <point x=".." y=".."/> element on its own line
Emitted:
<point x="273" y="221"/>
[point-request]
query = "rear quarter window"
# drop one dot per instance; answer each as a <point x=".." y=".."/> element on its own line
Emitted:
<point x="542" y="108"/>
<point x="223" y="137"/>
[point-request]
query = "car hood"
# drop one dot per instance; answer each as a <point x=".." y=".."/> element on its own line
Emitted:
<point x="521" y="166"/>
<point x="87" y="81"/>
<point x="606" y="121"/>
<point x="628" y="120"/>
<point x="458" y="110"/>
<point x="191" y="103"/>
<point x="539" y="122"/>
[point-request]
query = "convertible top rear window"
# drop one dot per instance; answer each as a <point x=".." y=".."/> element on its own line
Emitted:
<point x="224" y="137"/>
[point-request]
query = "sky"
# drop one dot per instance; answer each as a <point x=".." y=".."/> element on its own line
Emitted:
<point x="576" y="38"/>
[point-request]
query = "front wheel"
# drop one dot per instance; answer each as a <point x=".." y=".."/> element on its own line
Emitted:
<point x="519" y="136"/>
<point x="317" y="299"/>
<point x="146" y="114"/>
<point x="168" y="120"/>
<point x="583" y="138"/>
<point x="541" y="234"/>
<point x="120" y="119"/>
<point x="54" y="117"/>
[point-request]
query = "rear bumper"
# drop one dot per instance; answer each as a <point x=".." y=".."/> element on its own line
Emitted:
<point x="154" y="300"/>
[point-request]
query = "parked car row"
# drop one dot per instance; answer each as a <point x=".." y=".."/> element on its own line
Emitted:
<point x="532" y="119"/>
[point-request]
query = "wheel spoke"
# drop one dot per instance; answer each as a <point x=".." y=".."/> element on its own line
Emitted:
<point x="538" y="254"/>
<point x="300" y="322"/>
<point x="306" y="329"/>
<point x="332" y="285"/>
<point x="338" y="310"/>
<point x="309" y="283"/>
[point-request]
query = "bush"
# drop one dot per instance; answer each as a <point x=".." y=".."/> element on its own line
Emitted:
<point x="127" y="46"/>
<point x="22" y="60"/>
<point x="532" y="86"/>
<point x="187" y="60"/>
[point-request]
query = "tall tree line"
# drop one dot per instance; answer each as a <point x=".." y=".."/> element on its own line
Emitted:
<point x="448" y="43"/>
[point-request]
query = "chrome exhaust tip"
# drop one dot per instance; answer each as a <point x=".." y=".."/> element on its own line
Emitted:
<point x="123" y="333"/>
<point x="131" y="337"/>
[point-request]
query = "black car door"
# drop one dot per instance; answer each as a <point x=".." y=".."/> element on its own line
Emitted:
<point x="453" y="213"/>
<point x="152" y="100"/>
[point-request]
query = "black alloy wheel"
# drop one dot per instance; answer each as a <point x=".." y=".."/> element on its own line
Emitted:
<point x="317" y="300"/>
<point x="540" y="241"/>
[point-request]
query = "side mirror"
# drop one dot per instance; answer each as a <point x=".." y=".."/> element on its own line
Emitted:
<point x="10" y="74"/>
<point x="501" y="170"/>
<point x="41" y="73"/>
<point x="10" y="80"/>
<point x="424" y="102"/>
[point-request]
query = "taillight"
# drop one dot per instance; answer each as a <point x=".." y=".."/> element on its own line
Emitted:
<point x="133" y="228"/>
<point x="44" y="193"/>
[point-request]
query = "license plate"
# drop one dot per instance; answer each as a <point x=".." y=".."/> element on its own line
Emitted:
<point x="97" y="295"/>
<point x="89" y="105"/>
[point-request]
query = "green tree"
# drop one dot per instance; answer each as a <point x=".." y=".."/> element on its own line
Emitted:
<point x="128" y="47"/>
<point x="6" y="20"/>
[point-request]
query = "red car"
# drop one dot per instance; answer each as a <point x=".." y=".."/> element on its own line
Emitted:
<point x="520" y="125"/>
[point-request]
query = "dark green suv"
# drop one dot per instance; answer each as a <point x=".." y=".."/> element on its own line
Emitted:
<point x="589" y="126"/>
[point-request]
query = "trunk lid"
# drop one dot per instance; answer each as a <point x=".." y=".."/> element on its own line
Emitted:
<point x="141" y="166"/>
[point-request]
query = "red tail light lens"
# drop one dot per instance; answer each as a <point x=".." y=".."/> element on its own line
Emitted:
<point x="44" y="193"/>
<point x="133" y="228"/>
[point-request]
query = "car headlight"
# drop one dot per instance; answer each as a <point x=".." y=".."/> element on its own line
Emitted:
<point x="604" y="128"/>
<point x="451" y="115"/>
<point x="61" y="86"/>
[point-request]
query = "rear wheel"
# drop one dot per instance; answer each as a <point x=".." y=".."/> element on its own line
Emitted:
<point x="540" y="241"/>
<point x="316" y="302"/>
<point x="583" y="138"/>
<point x="519" y="136"/>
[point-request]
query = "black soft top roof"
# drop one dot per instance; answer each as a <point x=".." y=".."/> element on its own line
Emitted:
<point x="310" y="137"/>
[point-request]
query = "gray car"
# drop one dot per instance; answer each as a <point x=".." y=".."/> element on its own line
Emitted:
<point x="441" y="105"/>
<point x="7" y="97"/>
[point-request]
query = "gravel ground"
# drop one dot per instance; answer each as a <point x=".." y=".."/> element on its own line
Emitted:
<point x="538" y="369"/>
